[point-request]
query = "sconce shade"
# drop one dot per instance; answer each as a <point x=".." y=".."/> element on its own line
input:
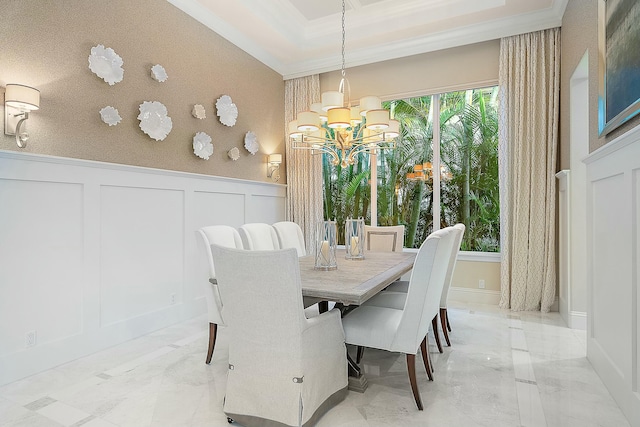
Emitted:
<point x="275" y="158"/>
<point x="24" y="98"/>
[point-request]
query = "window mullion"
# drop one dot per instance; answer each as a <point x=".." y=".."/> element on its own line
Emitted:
<point x="436" y="162"/>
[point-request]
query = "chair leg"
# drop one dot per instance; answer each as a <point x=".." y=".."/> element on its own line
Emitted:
<point x="359" y="354"/>
<point x="434" y="325"/>
<point x="425" y="358"/>
<point x="443" y="322"/>
<point x="411" y="367"/>
<point x="446" y="315"/>
<point x="213" y="329"/>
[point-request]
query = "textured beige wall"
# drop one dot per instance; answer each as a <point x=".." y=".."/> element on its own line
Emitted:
<point x="46" y="44"/>
<point x="468" y="273"/>
<point x="428" y="73"/>
<point x="580" y="33"/>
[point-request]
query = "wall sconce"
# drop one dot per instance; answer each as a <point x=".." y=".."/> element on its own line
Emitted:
<point x="19" y="100"/>
<point x="274" y="166"/>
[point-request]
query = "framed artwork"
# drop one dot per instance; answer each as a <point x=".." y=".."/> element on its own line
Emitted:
<point x="619" y="68"/>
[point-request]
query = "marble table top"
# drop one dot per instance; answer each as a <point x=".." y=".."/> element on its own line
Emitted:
<point x="354" y="282"/>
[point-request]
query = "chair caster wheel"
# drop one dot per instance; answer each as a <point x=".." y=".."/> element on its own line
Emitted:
<point x="229" y="420"/>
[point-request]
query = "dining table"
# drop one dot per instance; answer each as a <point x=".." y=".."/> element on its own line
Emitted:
<point x="351" y="284"/>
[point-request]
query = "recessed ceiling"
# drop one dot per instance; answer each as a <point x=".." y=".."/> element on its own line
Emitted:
<point x="302" y="37"/>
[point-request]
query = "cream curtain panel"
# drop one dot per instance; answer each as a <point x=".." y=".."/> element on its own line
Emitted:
<point x="304" y="171"/>
<point x="529" y="79"/>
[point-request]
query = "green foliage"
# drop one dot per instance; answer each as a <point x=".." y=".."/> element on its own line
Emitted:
<point x="346" y="191"/>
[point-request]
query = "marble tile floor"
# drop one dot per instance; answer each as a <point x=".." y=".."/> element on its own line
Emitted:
<point x="503" y="369"/>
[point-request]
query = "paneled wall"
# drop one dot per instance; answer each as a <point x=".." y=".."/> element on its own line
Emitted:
<point x="613" y="221"/>
<point x="93" y="254"/>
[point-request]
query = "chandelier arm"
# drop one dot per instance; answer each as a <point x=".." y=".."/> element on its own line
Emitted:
<point x="318" y="150"/>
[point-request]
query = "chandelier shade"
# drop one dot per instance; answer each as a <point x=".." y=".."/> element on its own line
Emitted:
<point x="332" y="99"/>
<point x="341" y="130"/>
<point x="377" y="119"/>
<point x="369" y="103"/>
<point x="308" y="121"/>
<point x="339" y="118"/>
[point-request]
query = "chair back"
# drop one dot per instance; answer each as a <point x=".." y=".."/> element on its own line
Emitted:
<point x="284" y="369"/>
<point x="458" y="232"/>
<point x="259" y="237"/>
<point x="425" y="288"/>
<point x="290" y="236"/>
<point x="384" y="239"/>
<point x="222" y="235"/>
<point x="262" y="296"/>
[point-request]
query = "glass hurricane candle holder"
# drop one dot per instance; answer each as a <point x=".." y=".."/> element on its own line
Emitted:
<point x="354" y="238"/>
<point x="326" y="240"/>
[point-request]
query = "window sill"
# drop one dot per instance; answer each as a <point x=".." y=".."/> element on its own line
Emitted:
<point x="471" y="256"/>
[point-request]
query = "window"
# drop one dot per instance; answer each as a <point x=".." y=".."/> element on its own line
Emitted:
<point x="463" y="149"/>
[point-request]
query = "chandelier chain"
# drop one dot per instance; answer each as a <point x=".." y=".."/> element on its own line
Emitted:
<point x="343" y="37"/>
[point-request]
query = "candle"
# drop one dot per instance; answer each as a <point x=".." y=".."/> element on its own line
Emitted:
<point x="355" y="250"/>
<point x="324" y="250"/>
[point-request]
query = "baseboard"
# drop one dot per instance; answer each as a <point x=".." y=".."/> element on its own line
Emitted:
<point x="477" y="296"/>
<point x="578" y="320"/>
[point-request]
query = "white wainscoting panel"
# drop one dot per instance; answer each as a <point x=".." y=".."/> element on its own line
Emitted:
<point x="93" y="254"/>
<point x="141" y="251"/>
<point x="613" y="328"/>
<point x="260" y="206"/>
<point x="40" y="249"/>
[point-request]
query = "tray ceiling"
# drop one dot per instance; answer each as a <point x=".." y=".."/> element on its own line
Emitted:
<point x="302" y="37"/>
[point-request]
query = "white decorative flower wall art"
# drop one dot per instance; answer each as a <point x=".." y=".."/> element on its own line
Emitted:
<point x="158" y="73"/>
<point x="227" y="110"/>
<point x="234" y="154"/>
<point x="202" y="146"/>
<point x="154" y="120"/>
<point x="198" y="112"/>
<point x="251" y="143"/>
<point x="106" y="64"/>
<point x="110" y="115"/>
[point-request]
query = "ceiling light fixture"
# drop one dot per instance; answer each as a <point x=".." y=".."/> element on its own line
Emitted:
<point x="342" y="130"/>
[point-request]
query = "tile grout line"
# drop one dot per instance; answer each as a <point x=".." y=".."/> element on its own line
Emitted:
<point x="528" y="394"/>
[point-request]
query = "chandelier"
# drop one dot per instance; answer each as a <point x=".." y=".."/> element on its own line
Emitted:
<point x="342" y="130"/>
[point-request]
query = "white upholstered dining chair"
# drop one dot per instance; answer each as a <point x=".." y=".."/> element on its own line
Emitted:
<point x="402" y="286"/>
<point x="404" y="329"/>
<point x="222" y="235"/>
<point x="258" y="236"/>
<point x="384" y="239"/>
<point x="290" y="236"/>
<point x="284" y="369"/>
